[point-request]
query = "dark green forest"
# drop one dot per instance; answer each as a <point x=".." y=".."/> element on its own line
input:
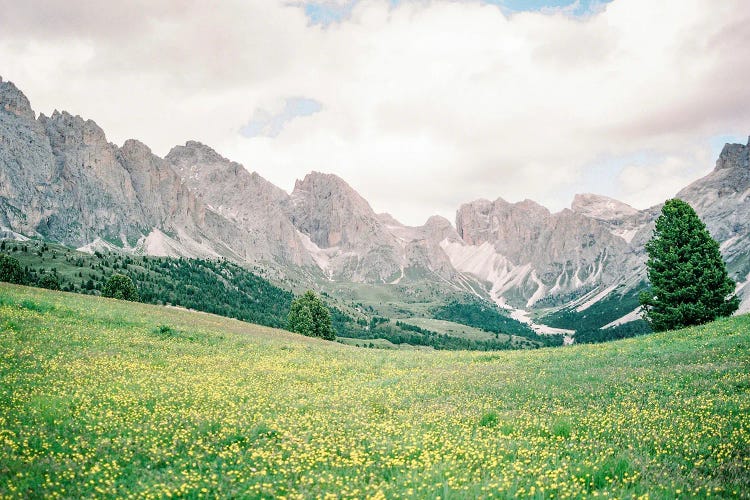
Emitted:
<point x="214" y="286"/>
<point x="490" y="318"/>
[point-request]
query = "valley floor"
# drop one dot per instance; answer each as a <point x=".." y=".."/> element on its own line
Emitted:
<point x="102" y="398"/>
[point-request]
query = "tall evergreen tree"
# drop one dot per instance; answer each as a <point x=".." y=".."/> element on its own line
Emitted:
<point x="689" y="280"/>
<point x="309" y="316"/>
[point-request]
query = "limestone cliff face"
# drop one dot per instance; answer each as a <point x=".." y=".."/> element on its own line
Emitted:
<point x="722" y="198"/>
<point x="530" y="255"/>
<point x="95" y="190"/>
<point x="165" y="200"/>
<point x="341" y="225"/>
<point x="247" y="200"/>
<point x="351" y="242"/>
<point x="61" y="178"/>
<point x="26" y="163"/>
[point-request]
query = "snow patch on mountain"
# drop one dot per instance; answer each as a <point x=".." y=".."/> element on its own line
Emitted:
<point x="633" y="315"/>
<point x="596" y="298"/>
<point x="98" y="245"/>
<point x="626" y="234"/>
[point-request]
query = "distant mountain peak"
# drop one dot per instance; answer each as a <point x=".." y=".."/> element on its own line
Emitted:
<point x="601" y="207"/>
<point x="734" y="156"/>
<point x="197" y="151"/>
<point x="13" y="101"/>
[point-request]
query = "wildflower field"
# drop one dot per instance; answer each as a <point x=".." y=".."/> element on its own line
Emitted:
<point x="101" y="398"/>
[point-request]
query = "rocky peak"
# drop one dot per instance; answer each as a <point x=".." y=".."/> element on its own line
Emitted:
<point x="222" y="182"/>
<point x="388" y="220"/>
<point x="330" y="185"/>
<point x="438" y="222"/>
<point x="482" y="220"/>
<point x="62" y="127"/>
<point x="13" y="101"/>
<point x="439" y="228"/>
<point x="601" y="207"/>
<point x="135" y="147"/>
<point x="734" y="156"/>
<point x="197" y="154"/>
<point x="332" y="213"/>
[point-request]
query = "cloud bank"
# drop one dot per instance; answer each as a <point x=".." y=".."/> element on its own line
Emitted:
<point x="420" y="105"/>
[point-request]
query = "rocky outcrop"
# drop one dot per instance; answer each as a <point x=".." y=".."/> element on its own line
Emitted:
<point x="529" y="255"/>
<point x="251" y="203"/>
<point x="14" y="102"/>
<point x="341" y="224"/>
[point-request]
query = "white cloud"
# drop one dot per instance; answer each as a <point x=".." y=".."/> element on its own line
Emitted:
<point x="424" y="106"/>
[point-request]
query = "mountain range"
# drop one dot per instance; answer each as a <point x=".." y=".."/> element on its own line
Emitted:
<point x="61" y="180"/>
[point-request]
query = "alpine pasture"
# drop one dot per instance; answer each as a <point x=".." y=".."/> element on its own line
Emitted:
<point x="104" y="398"/>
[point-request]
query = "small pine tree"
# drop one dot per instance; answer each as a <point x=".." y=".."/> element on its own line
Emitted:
<point x="309" y="316"/>
<point x="119" y="286"/>
<point x="689" y="280"/>
<point x="11" y="270"/>
<point x="50" y="281"/>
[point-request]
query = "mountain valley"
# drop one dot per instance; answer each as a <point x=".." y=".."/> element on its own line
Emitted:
<point x="578" y="269"/>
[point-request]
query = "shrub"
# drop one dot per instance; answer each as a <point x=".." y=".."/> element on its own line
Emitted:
<point x="121" y="287"/>
<point x="50" y="281"/>
<point x="11" y="270"/>
<point x="309" y="316"/>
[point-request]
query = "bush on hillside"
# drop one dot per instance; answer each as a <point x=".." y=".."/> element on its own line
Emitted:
<point x="121" y="287"/>
<point x="50" y="281"/>
<point x="309" y="316"/>
<point x="11" y="270"/>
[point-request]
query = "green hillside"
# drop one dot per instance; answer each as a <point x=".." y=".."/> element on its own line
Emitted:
<point x="102" y="398"/>
<point x="227" y="289"/>
<point x="215" y="286"/>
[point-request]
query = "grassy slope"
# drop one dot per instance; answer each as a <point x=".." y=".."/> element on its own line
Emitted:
<point x="96" y="402"/>
<point x="230" y="290"/>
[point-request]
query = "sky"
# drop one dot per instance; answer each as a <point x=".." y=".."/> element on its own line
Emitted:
<point x="420" y="105"/>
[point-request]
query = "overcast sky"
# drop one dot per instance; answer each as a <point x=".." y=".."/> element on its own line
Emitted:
<point x="419" y="105"/>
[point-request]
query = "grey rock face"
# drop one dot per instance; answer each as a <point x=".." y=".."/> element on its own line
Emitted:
<point x="14" y="102"/>
<point x="535" y="255"/>
<point x="26" y="163"/>
<point x="247" y="200"/>
<point x="95" y="189"/>
<point x="166" y="202"/>
<point x="333" y="214"/>
<point x="61" y="178"/>
<point x="339" y="222"/>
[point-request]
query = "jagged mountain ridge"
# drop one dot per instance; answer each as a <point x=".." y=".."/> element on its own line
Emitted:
<point x="62" y="180"/>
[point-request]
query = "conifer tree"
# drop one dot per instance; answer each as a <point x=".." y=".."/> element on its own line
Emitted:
<point x="11" y="270"/>
<point x="309" y="316"/>
<point x="121" y="287"/>
<point x="50" y="281"/>
<point x="689" y="280"/>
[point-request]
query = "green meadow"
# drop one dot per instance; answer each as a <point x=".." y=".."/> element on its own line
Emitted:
<point x="103" y="398"/>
